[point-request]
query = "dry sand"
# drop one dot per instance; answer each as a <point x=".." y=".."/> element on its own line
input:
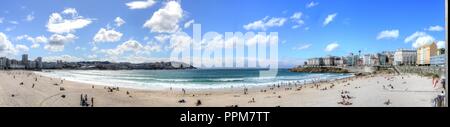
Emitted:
<point x="365" y="91"/>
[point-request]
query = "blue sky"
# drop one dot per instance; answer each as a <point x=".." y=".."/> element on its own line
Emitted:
<point x="367" y="25"/>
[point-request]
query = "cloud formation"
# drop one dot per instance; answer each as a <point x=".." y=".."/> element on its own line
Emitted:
<point x="332" y="46"/>
<point x="436" y="28"/>
<point x="104" y="35"/>
<point x="388" y="34"/>
<point x="312" y="4"/>
<point x="420" y="39"/>
<point x="329" y="19"/>
<point x="166" y="19"/>
<point x="56" y="42"/>
<point x="57" y="24"/>
<point x="119" y="21"/>
<point x="140" y="4"/>
<point x="265" y="23"/>
<point x="303" y="47"/>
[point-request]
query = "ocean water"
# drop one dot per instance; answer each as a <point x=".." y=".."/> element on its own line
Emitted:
<point x="196" y="78"/>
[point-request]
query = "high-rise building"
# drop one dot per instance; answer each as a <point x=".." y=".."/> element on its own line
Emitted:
<point x="38" y="63"/>
<point x="352" y="60"/>
<point x="405" y="57"/>
<point x="315" y="62"/>
<point x="425" y="53"/>
<point x="438" y="60"/>
<point x="367" y="59"/>
<point x="329" y="61"/>
<point x="3" y="61"/>
<point x="25" y="59"/>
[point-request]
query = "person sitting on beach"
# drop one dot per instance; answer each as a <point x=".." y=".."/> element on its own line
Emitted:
<point x="252" y="101"/>
<point x="198" y="103"/>
<point x="348" y="97"/>
<point x="388" y="102"/>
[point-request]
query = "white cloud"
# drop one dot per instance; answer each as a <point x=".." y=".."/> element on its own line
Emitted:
<point x="56" y="42"/>
<point x="7" y="29"/>
<point x="6" y="47"/>
<point x="423" y="40"/>
<point x="71" y="11"/>
<point x="179" y="41"/>
<point x="332" y="46"/>
<point x="162" y="37"/>
<point x="40" y="39"/>
<point x="131" y="46"/>
<point x="329" y="19"/>
<point x="296" y="17"/>
<point x="420" y="39"/>
<point x="1" y="20"/>
<point x="166" y="19"/>
<point x="30" y="17"/>
<point x="441" y="44"/>
<point x="414" y="36"/>
<point x="119" y="21"/>
<point x="21" y="37"/>
<point x="302" y="47"/>
<point x="261" y="39"/>
<point x="265" y="23"/>
<point x="93" y="56"/>
<point x="312" y="4"/>
<point x="104" y="35"/>
<point x="14" y="22"/>
<point x="95" y="48"/>
<point x="152" y="47"/>
<point x="66" y="58"/>
<point x="57" y="24"/>
<point x="22" y="48"/>
<point x="435" y="28"/>
<point x="35" y="41"/>
<point x="306" y="28"/>
<point x="188" y="24"/>
<point x="140" y="4"/>
<point x="388" y="34"/>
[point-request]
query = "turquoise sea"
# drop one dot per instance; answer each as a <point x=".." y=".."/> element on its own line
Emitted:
<point x="196" y="78"/>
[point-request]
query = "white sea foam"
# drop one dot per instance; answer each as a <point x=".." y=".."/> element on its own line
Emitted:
<point x="139" y="80"/>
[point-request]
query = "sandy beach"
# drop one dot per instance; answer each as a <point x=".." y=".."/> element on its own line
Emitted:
<point x="28" y="89"/>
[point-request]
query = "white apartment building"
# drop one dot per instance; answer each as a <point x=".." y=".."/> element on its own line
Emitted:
<point x="405" y="57"/>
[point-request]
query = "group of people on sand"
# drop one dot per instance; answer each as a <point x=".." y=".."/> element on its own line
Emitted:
<point x="345" y="98"/>
<point x="84" y="102"/>
<point x="112" y="89"/>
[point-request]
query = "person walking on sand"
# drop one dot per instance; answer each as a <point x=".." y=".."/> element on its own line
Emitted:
<point x="81" y="100"/>
<point x="92" y="101"/>
<point x="184" y="91"/>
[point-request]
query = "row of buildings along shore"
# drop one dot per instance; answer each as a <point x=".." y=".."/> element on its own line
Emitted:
<point x="38" y="64"/>
<point x="428" y="55"/>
